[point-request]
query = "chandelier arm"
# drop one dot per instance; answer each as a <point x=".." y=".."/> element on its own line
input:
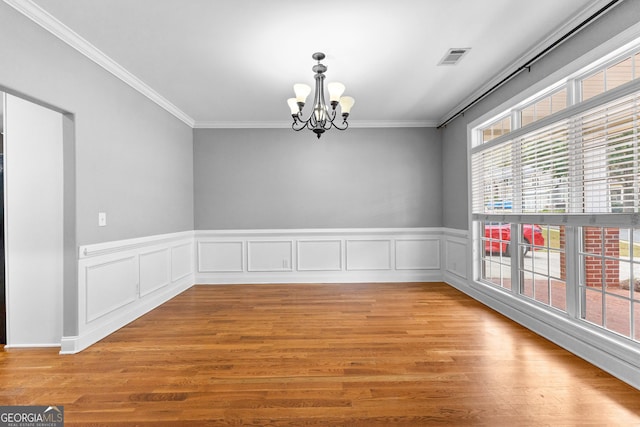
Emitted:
<point x="301" y="124"/>
<point x="345" y="123"/>
<point x="333" y="117"/>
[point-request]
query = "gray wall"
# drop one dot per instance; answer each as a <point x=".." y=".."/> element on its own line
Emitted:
<point x="134" y="160"/>
<point x="454" y="136"/>
<point x="280" y="179"/>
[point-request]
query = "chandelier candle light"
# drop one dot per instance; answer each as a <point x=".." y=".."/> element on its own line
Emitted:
<point x="321" y="118"/>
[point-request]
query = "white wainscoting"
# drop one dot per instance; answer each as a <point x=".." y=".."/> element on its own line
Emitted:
<point x="323" y="255"/>
<point x="456" y="248"/>
<point x="120" y="281"/>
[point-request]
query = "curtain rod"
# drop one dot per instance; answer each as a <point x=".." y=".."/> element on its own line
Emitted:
<point x="527" y="65"/>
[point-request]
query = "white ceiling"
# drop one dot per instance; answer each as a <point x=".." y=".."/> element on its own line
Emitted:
<point x="232" y="63"/>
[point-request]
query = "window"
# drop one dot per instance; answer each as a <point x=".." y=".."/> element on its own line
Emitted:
<point x="497" y="128"/>
<point x="610" y="279"/>
<point x="586" y="162"/>
<point x="496" y="262"/>
<point x="542" y="274"/>
<point x="611" y="77"/>
<point x="561" y="183"/>
<point x="546" y="106"/>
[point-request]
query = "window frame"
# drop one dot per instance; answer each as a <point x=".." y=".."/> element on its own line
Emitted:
<point x="570" y="77"/>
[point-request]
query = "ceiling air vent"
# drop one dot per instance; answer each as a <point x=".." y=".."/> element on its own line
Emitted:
<point x="453" y="56"/>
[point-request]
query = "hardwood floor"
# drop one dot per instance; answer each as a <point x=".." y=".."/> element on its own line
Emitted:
<point x="320" y="355"/>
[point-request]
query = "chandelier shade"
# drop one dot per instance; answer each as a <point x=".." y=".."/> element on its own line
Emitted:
<point x="323" y="116"/>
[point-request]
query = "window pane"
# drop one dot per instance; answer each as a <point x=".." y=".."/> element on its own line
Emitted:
<point x="605" y="278"/>
<point x="496" y="129"/>
<point x="559" y="101"/>
<point x="506" y="125"/>
<point x="593" y="307"/>
<point x="486" y="135"/>
<point x="496" y="263"/>
<point x="593" y="86"/>
<point x="543" y="108"/>
<point x="619" y="74"/>
<point x="542" y="268"/>
<point x="528" y="115"/>
<point x="618" y="315"/>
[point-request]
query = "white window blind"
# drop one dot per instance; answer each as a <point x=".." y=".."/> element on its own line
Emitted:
<point x="584" y="160"/>
<point x="608" y="156"/>
<point x="492" y="172"/>
<point x="543" y="173"/>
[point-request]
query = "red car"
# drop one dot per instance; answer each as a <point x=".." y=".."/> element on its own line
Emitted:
<point x="498" y="236"/>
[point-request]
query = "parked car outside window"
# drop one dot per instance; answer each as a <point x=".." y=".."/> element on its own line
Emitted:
<point x="498" y="235"/>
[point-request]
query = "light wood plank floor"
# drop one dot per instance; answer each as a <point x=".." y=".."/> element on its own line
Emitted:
<point x="320" y="355"/>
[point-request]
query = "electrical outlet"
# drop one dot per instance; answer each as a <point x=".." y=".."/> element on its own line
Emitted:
<point x="102" y="219"/>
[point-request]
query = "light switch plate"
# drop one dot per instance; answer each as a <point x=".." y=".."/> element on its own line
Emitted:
<point x="102" y="219"/>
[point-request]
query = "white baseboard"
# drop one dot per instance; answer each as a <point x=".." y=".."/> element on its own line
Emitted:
<point x="75" y="344"/>
<point x="347" y="277"/>
<point x="43" y="345"/>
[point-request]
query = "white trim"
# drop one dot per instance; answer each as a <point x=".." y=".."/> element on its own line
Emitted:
<point x="351" y="276"/>
<point x="454" y="232"/>
<point x="44" y="19"/>
<point x="200" y="247"/>
<point x="90" y="316"/>
<point x="436" y="262"/>
<point x="313" y="232"/>
<point x="44" y="345"/>
<point x="287" y="124"/>
<point x="99" y="249"/>
<point x="555" y="35"/>
<point x="301" y="242"/>
<point x="220" y="124"/>
<point x="285" y="265"/>
<point x="390" y="252"/>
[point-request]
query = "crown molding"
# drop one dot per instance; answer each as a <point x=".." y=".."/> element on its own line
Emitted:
<point x="393" y="123"/>
<point x="557" y="34"/>
<point x="41" y="17"/>
<point x="286" y="125"/>
<point x="241" y="125"/>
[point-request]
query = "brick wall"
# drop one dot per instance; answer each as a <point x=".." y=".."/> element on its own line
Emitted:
<point x="597" y="240"/>
<point x="593" y="244"/>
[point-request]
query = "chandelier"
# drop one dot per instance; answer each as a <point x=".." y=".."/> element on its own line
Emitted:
<point x="323" y="117"/>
